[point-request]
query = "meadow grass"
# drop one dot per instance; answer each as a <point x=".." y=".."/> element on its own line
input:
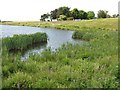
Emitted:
<point x="93" y="64"/>
<point x="104" y="24"/>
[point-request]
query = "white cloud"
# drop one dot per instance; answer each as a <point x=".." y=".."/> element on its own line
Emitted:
<point x="32" y="9"/>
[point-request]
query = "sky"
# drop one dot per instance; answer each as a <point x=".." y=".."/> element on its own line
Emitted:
<point x="31" y="10"/>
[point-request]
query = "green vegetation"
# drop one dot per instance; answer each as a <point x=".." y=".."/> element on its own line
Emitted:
<point x="22" y="42"/>
<point x="93" y="64"/>
<point x="75" y="14"/>
<point x="83" y="35"/>
<point x="62" y="17"/>
<point x="90" y="15"/>
<point x="67" y="13"/>
<point x="102" y="14"/>
<point x="104" y="24"/>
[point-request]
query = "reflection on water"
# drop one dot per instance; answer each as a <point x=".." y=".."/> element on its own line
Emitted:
<point x="36" y="49"/>
<point x="55" y="37"/>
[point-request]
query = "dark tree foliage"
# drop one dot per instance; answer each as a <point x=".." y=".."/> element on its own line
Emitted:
<point x="102" y="14"/>
<point x="44" y="16"/>
<point x="82" y="14"/>
<point x="64" y="11"/>
<point x="54" y="14"/>
<point x="115" y="15"/>
<point x="60" y="11"/>
<point x="75" y="13"/>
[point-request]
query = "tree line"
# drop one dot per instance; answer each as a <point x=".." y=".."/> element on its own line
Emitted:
<point x="64" y="13"/>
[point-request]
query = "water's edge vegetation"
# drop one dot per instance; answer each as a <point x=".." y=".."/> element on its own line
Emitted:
<point x="91" y="64"/>
<point x="23" y="42"/>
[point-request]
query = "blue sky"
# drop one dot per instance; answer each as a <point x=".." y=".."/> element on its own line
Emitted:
<point x="30" y="10"/>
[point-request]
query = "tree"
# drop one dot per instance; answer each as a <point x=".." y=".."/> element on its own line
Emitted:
<point x="82" y="14"/>
<point x="115" y="15"/>
<point x="62" y="17"/>
<point x="102" y="14"/>
<point x="54" y="14"/>
<point x="60" y="11"/>
<point x="64" y="11"/>
<point x="70" y="18"/>
<point x="108" y="16"/>
<point x="44" y="16"/>
<point x="90" y="14"/>
<point x="118" y="15"/>
<point x="75" y="13"/>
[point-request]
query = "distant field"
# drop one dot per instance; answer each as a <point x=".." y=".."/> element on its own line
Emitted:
<point x="105" y="24"/>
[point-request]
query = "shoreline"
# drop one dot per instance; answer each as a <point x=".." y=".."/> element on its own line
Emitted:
<point x="102" y="24"/>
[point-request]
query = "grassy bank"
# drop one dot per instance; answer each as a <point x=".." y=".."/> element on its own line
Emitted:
<point x="93" y="64"/>
<point x="104" y="24"/>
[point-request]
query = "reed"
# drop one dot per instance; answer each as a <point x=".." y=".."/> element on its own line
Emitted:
<point x="23" y="42"/>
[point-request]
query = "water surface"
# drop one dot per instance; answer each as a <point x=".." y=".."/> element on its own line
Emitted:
<point x="55" y="37"/>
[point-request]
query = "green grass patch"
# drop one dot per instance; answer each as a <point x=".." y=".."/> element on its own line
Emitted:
<point x="103" y="24"/>
<point x="23" y="42"/>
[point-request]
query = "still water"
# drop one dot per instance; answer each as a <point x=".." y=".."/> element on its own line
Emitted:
<point x="55" y="37"/>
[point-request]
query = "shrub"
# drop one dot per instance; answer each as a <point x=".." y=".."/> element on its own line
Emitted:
<point x="77" y="35"/>
<point x="62" y="17"/>
<point x="82" y="35"/>
<point x="70" y="18"/>
<point x="19" y="80"/>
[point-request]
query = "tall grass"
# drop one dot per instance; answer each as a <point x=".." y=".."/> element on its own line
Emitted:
<point x="23" y="42"/>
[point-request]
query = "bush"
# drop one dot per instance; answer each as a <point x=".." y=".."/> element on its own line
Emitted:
<point x="70" y="18"/>
<point x="19" y="80"/>
<point x="77" y="35"/>
<point x="62" y="17"/>
<point x="82" y="35"/>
